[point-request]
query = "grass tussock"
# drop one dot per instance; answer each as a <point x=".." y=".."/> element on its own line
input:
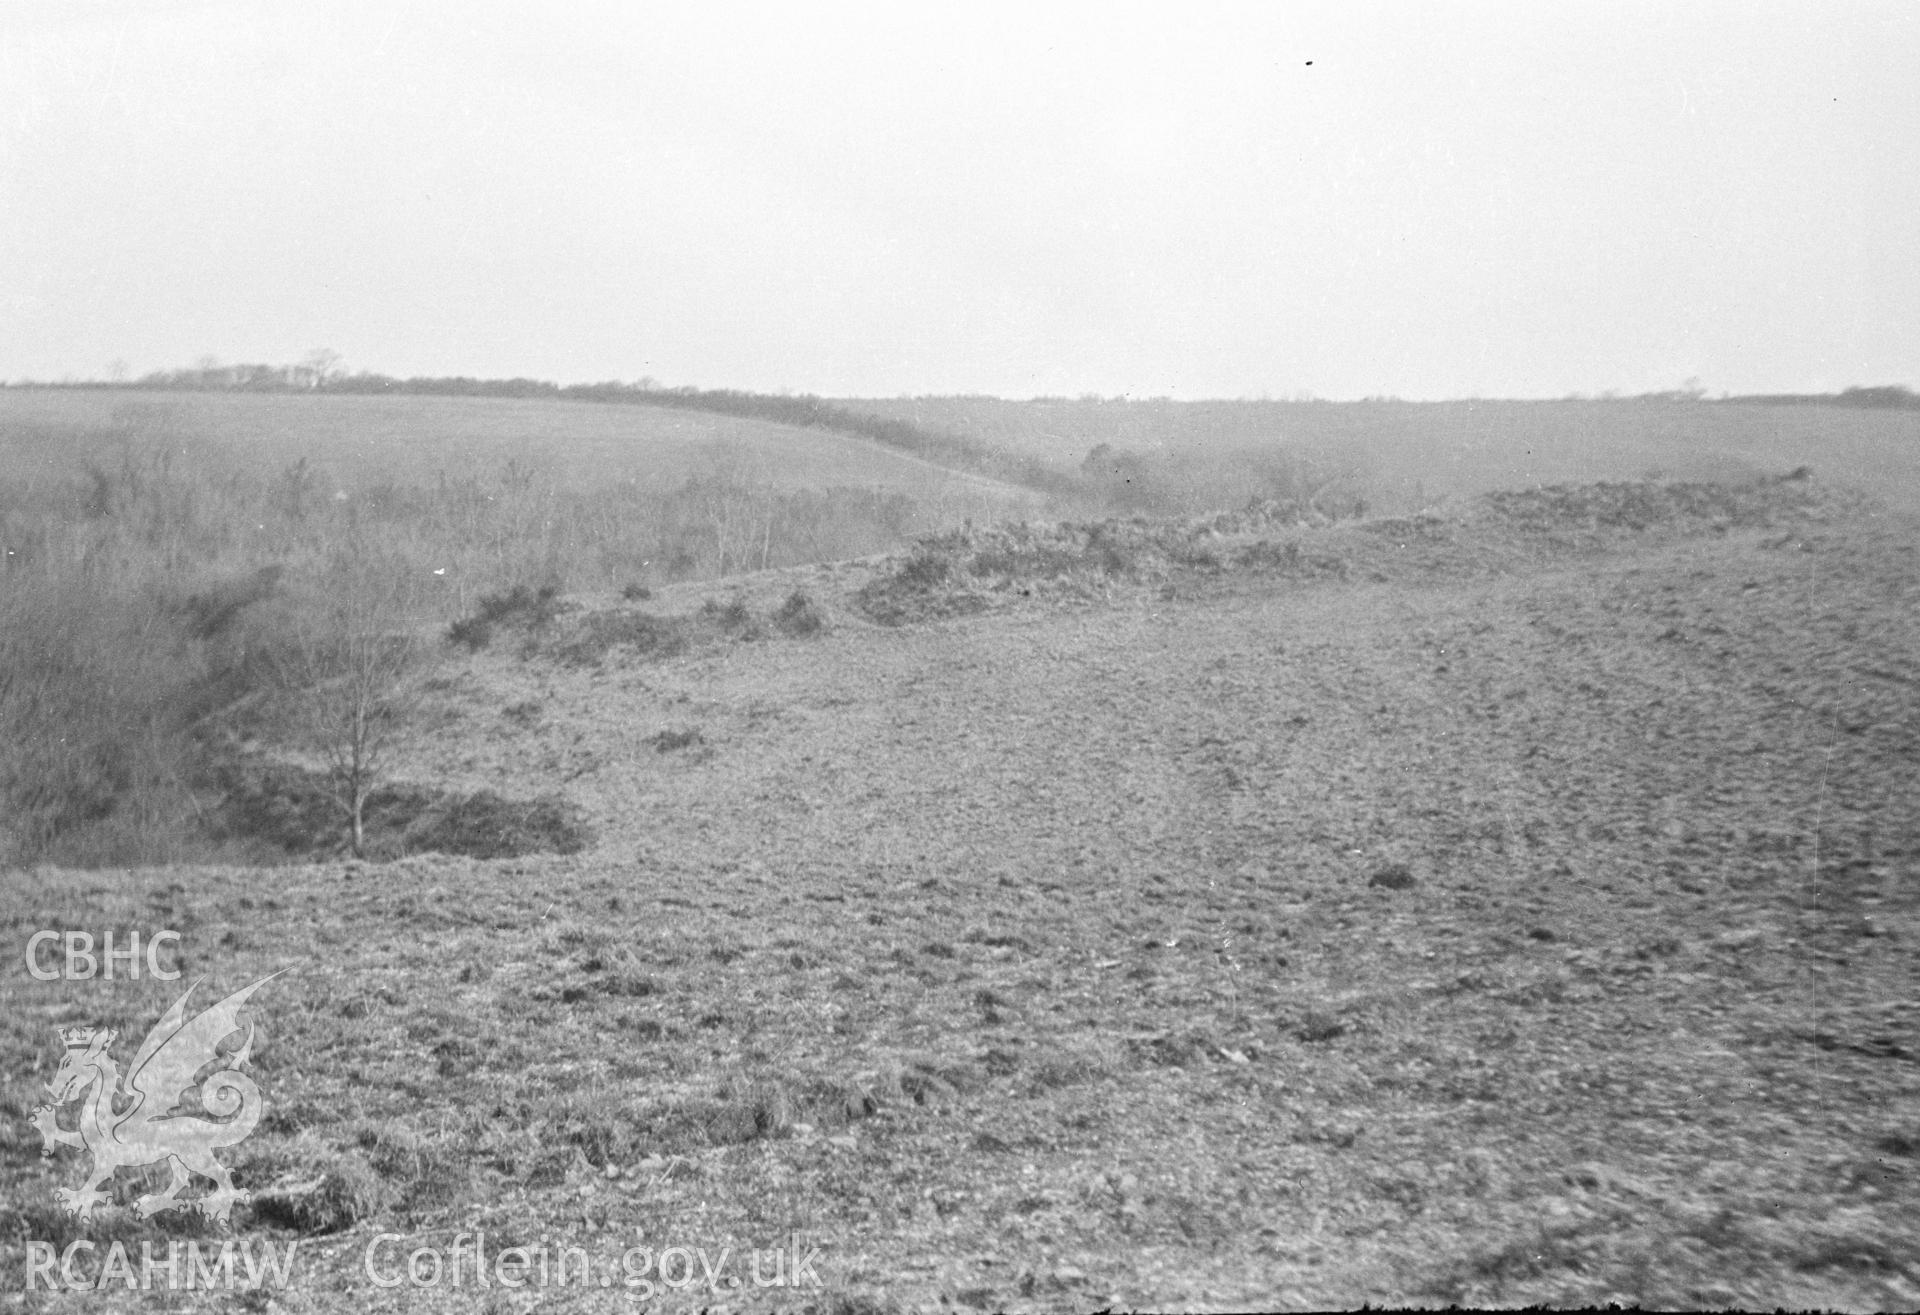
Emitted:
<point x="426" y="1174"/>
<point x="313" y="1188"/>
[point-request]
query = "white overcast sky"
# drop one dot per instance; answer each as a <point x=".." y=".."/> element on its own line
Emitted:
<point x="1194" y="200"/>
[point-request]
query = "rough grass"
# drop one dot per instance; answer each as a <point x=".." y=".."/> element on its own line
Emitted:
<point x="414" y="440"/>
<point x="1056" y="966"/>
<point x="155" y="573"/>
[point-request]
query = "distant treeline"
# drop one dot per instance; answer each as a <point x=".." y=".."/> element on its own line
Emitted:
<point x="805" y="411"/>
<point x="1891" y="397"/>
<point x="319" y="374"/>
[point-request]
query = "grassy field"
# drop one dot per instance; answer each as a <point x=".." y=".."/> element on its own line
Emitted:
<point x="1406" y="454"/>
<point x="1501" y="907"/>
<point x="359" y="441"/>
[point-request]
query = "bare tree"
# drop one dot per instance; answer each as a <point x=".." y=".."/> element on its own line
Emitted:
<point x="737" y="497"/>
<point x="353" y="653"/>
<point x="319" y="366"/>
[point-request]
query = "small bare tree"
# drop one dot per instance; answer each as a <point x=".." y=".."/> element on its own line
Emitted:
<point x="319" y="367"/>
<point x="354" y="650"/>
<point x="737" y="497"/>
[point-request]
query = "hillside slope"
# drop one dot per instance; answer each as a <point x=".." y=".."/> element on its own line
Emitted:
<point x="1504" y="908"/>
<point x="410" y="438"/>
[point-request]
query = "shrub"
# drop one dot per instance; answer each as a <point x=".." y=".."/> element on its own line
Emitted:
<point x="924" y="569"/>
<point x="536" y="606"/>
<point x="601" y="632"/>
<point x="799" y="616"/>
<point x="475" y="633"/>
<point x="732" y="616"/>
<point x="519" y="605"/>
<point x="213" y="611"/>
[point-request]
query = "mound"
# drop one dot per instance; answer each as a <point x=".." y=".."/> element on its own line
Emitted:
<point x="973" y="571"/>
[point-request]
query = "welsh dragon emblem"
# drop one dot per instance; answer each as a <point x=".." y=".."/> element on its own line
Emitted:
<point x="147" y="1120"/>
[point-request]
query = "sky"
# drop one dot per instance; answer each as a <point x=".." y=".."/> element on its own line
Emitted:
<point x="1187" y="200"/>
